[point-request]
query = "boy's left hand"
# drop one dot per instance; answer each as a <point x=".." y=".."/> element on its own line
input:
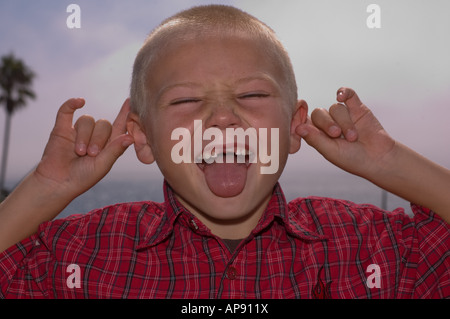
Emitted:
<point x="349" y="135"/>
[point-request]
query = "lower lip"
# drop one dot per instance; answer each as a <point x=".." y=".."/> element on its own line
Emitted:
<point x="203" y="164"/>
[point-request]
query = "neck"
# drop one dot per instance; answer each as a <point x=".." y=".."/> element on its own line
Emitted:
<point x="237" y="228"/>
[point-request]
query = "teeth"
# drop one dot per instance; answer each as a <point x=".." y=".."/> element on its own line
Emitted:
<point x="210" y="157"/>
<point x="240" y="153"/>
<point x="214" y="155"/>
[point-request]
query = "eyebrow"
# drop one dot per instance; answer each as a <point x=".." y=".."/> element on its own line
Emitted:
<point x="259" y="76"/>
<point x="172" y="86"/>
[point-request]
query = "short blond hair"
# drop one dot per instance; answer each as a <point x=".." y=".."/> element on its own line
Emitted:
<point x="200" y="21"/>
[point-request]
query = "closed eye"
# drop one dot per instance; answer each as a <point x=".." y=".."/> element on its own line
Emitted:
<point x="253" y="95"/>
<point x="184" y="101"/>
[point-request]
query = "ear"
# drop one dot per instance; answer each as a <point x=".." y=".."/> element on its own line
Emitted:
<point x="141" y="144"/>
<point x="299" y="117"/>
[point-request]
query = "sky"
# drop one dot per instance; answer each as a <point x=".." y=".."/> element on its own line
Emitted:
<point x="401" y="70"/>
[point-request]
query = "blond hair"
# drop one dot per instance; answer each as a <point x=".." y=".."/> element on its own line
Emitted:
<point x="197" y="22"/>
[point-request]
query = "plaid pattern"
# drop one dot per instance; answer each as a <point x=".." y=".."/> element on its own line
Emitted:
<point x="298" y="249"/>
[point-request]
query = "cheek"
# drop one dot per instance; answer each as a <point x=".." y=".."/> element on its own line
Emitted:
<point x="159" y="140"/>
<point x="280" y="146"/>
<point x="278" y="130"/>
<point x="172" y="151"/>
<point x="162" y="146"/>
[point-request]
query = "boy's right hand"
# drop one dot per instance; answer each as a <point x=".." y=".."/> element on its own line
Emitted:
<point x="78" y="156"/>
<point x="75" y="159"/>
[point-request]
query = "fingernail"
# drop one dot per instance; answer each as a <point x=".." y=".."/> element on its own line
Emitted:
<point x="81" y="148"/>
<point x="127" y="143"/>
<point x="334" y="130"/>
<point x="93" y="149"/>
<point x="351" y="135"/>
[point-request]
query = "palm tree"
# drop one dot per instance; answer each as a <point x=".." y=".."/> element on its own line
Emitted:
<point x="15" y="89"/>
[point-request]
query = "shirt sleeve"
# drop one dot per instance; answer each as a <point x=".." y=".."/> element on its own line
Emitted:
<point x="24" y="269"/>
<point x="373" y="253"/>
<point x="425" y="260"/>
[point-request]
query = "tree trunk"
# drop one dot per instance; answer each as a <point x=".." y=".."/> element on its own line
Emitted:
<point x="5" y="154"/>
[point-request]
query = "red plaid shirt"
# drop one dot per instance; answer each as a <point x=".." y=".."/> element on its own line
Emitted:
<point x="311" y="247"/>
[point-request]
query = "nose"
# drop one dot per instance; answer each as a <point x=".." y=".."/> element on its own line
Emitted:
<point x="223" y="115"/>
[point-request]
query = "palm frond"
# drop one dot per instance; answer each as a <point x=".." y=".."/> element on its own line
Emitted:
<point x="15" y="83"/>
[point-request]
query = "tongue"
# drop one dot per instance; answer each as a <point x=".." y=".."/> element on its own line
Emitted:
<point x="225" y="179"/>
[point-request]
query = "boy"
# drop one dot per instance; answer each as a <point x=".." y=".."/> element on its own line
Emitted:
<point x="225" y="229"/>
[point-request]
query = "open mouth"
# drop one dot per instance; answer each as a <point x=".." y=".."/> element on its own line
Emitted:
<point x="225" y="170"/>
<point x="240" y="155"/>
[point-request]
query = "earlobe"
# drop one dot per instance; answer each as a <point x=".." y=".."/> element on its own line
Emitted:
<point x="141" y="144"/>
<point x="299" y="117"/>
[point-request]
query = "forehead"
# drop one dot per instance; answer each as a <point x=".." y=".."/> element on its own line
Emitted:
<point x="212" y="57"/>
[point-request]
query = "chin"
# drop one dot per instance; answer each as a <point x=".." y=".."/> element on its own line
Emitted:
<point x="250" y="200"/>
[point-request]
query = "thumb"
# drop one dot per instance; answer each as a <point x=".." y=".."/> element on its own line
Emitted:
<point x="114" y="150"/>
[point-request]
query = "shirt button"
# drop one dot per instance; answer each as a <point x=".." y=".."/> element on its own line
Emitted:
<point x="193" y="224"/>
<point x="231" y="273"/>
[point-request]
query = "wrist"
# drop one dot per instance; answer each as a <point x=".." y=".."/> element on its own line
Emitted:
<point x="389" y="167"/>
<point x="397" y="170"/>
<point x="56" y="191"/>
<point x="35" y="200"/>
<point x="38" y="197"/>
<point x="415" y="178"/>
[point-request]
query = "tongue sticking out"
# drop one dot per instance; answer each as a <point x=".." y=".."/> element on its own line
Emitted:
<point x="225" y="179"/>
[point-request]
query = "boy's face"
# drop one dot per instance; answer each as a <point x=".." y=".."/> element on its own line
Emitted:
<point x="226" y="82"/>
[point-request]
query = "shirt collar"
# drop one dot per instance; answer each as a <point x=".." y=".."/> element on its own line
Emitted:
<point x="292" y="219"/>
<point x="277" y="210"/>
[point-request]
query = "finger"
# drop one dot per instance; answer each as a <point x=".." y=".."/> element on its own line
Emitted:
<point x="349" y="97"/>
<point x="84" y="128"/>
<point x="114" y="150"/>
<point x="120" y="123"/>
<point x="99" y="137"/>
<point x="64" y="117"/>
<point x="341" y="116"/>
<point x="316" y="138"/>
<point x="323" y="120"/>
